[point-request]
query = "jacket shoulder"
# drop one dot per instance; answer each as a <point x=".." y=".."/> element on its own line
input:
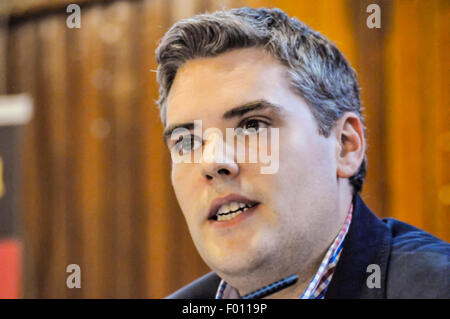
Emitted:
<point x="419" y="264"/>
<point x="202" y="288"/>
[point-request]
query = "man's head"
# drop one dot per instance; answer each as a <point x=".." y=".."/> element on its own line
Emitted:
<point x="255" y="69"/>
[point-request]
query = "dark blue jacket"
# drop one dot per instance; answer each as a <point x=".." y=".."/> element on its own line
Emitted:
<point x="410" y="263"/>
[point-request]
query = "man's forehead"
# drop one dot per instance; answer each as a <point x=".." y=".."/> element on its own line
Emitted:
<point x="230" y="61"/>
<point x="206" y="87"/>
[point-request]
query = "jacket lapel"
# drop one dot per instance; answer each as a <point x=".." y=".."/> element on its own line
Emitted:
<point x="367" y="242"/>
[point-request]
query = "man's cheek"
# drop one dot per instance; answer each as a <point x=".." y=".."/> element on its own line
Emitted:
<point x="180" y="191"/>
<point x="179" y="176"/>
<point x="173" y="175"/>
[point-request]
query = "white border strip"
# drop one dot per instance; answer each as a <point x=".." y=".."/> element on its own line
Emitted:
<point x="15" y="109"/>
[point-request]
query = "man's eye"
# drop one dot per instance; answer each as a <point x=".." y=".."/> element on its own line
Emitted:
<point x="187" y="144"/>
<point x="251" y="126"/>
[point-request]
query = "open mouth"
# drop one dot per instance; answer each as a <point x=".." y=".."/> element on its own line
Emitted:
<point x="232" y="210"/>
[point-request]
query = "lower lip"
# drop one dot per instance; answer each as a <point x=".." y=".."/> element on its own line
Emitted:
<point x="235" y="221"/>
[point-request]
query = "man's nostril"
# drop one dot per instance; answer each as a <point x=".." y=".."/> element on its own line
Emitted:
<point x="224" y="171"/>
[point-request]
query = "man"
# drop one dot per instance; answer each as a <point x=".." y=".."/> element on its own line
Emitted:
<point x="270" y="77"/>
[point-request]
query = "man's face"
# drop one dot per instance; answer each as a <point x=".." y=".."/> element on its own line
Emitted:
<point x="295" y="215"/>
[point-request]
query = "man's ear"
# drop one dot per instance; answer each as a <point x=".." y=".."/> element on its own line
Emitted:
<point x="351" y="144"/>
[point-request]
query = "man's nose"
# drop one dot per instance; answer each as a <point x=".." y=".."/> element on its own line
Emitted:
<point x="218" y="161"/>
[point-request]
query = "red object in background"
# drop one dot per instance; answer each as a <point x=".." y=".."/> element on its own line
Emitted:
<point x="10" y="268"/>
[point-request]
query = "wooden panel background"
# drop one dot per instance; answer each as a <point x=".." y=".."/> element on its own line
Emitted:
<point x="96" y="187"/>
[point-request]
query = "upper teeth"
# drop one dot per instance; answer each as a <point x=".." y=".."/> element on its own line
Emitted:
<point x="231" y="207"/>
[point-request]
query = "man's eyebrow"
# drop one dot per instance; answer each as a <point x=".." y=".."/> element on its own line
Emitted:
<point x="168" y="131"/>
<point x="249" y="107"/>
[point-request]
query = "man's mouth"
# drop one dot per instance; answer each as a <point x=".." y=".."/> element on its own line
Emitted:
<point x="229" y="207"/>
<point x="230" y="211"/>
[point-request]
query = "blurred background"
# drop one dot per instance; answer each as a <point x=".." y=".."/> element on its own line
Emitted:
<point x="84" y="179"/>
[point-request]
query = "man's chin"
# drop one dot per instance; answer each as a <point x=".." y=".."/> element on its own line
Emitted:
<point x="236" y="265"/>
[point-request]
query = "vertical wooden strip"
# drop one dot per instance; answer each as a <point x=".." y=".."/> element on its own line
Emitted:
<point x="442" y="160"/>
<point x="37" y="209"/>
<point x="403" y="114"/>
<point x="101" y="77"/>
<point x="51" y="36"/>
<point x="3" y="53"/>
<point x="97" y="207"/>
<point x="20" y="78"/>
<point x="115" y="35"/>
<point x="85" y="170"/>
<point x="138" y="215"/>
<point x="73" y="47"/>
<point x="154" y="183"/>
<point x="429" y="33"/>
